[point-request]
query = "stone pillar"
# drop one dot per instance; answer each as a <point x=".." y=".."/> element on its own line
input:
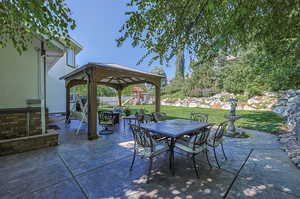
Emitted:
<point x="92" y="106"/>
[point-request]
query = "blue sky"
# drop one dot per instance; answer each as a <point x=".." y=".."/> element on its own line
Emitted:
<point x="98" y="22"/>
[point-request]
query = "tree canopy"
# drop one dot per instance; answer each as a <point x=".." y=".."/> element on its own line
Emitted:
<point x="207" y="26"/>
<point x="21" y="20"/>
<point x="160" y="71"/>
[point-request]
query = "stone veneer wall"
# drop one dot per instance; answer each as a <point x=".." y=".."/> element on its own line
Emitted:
<point x="23" y="144"/>
<point x="13" y="122"/>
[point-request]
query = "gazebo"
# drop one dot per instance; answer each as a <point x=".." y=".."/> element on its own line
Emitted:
<point x="112" y="75"/>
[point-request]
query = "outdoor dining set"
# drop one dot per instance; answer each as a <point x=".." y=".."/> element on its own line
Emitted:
<point x="154" y="135"/>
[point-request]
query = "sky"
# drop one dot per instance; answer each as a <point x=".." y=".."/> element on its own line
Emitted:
<point x="98" y="22"/>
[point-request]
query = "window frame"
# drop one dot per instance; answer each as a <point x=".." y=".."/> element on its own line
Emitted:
<point x="67" y="58"/>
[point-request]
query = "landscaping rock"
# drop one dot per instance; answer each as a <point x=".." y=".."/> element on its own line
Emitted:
<point x="294" y="100"/>
<point x="279" y="110"/>
<point x="296" y="160"/>
<point x="220" y="101"/>
<point x="288" y="106"/>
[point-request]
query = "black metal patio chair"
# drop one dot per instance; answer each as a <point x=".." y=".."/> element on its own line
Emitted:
<point x="106" y="120"/>
<point x="196" y="144"/>
<point x="158" y="116"/>
<point x="201" y="117"/>
<point x="140" y="116"/>
<point x="216" y="139"/>
<point x="146" y="146"/>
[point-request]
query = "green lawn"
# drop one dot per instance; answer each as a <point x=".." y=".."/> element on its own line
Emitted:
<point x="258" y="120"/>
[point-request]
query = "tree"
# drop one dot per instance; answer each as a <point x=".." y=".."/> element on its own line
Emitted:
<point x="179" y="74"/>
<point x="105" y="91"/>
<point x="203" y="80"/>
<point x="101" y="90"/>
<point x="160" y="71"/>
<point x="207" y="26"/>
<point x="257" y="70"/>
<point x="21" y="20"/>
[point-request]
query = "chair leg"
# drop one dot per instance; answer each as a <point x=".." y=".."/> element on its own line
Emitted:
<point x="149" y="170"/>
<point x="134" y="153"/>
<point x="223" y="151"/>
<point x="195" y="166"/>
<point x="216" y="157"/>
<point x="207" y="158"/>
<point x="170" y="160"/>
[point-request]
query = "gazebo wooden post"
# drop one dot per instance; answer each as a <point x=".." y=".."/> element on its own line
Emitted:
<point x="67" y="103"/>
<point x="119" y="96"/>
<point x="92" y="105"/>
<point x="157" y="97"/>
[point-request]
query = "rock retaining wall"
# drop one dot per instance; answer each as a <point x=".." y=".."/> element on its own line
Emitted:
<point x="288" y="107"/>
<point x="220" y="101"/>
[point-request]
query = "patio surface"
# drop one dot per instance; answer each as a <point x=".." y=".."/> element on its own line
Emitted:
<point x="79" y="168"/>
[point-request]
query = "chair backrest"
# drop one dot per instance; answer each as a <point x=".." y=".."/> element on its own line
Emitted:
<point x="220" y="131"/>
<point x="104" y="116"/>
<point x="157" y="116"/>
<point x="140" y="115"/>
<point x="141" y="136"/>
<point x="200" y="137"/>
<point x="201" y="117"/>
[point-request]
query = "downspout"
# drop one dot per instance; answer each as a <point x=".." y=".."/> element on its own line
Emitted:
<point x="43" y="88"/>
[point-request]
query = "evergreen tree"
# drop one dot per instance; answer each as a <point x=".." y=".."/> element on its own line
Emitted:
<point x="180" y="64"/>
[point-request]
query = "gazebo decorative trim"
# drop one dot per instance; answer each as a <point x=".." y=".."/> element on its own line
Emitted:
<point x="112" y="75"/>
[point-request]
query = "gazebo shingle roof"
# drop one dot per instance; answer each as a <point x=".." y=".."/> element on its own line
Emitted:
<point x="114" y="74"/>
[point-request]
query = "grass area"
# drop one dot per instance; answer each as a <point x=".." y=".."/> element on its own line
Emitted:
<point x="257" y="120"/>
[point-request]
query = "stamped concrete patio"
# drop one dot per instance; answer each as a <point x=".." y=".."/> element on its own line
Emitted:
<point x="79" y="168"/>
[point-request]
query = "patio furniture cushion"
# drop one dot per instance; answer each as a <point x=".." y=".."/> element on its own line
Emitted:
<point x="188" y="140"/>
<point x="106" y="122"/>
<point x="185" y="146"/>
<point x="157" y="149"/>
<point x="210" y="141"/>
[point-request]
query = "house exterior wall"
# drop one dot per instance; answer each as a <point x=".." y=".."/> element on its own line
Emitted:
<point x="56" y="92"/>
<point x="19" y="77"/>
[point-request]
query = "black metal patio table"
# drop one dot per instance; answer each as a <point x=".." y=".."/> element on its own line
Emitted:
<point x="174" y="129"/>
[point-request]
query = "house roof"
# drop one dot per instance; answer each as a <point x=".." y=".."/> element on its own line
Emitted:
<point x="55" y="49"/>
<point x="77" y="46"/>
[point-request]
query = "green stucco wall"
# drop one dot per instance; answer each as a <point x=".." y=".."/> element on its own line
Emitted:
<point x="19" y="77"/>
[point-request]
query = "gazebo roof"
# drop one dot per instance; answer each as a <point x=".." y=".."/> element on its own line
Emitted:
<point x="114" y="75"/>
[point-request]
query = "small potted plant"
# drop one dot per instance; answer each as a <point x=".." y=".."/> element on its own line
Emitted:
<point x="126" y="111"/>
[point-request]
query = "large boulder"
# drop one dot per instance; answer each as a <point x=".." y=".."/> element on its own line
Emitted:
<point x="279" y="109"/>
<point x="294" y="100"/>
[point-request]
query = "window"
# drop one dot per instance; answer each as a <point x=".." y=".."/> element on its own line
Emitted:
<point x="70" y="57"/>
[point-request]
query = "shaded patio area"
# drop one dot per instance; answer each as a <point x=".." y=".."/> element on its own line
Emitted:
<point x="113" y="75"/>
<point x="79" y="168"/>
